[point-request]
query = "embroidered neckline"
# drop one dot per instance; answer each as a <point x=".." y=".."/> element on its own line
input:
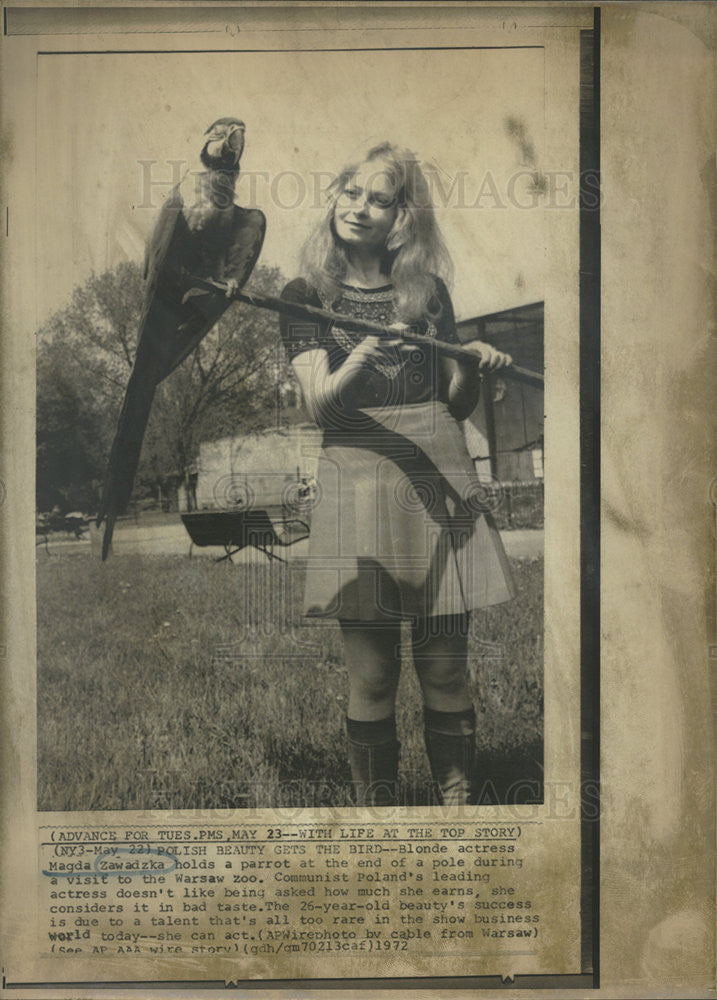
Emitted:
<point x="384" y="293"/>
<point x="350" y="339"/>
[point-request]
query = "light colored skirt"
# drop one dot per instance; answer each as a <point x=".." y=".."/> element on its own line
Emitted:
<point x="399" y="529"/>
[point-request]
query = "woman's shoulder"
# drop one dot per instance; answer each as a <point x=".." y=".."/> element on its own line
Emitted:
<point x="441" y="288"/>
<point x="300" y="334"/>
<point x="441" y="311"/>
<point x="440" y="302"/>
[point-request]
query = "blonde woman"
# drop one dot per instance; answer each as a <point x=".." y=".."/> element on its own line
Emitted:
<point x="396" y="533"/>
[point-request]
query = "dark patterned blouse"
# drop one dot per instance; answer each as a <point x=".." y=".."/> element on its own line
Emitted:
<point x="399" y="382"/>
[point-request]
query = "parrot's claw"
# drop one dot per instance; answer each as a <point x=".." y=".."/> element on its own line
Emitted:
<point x="232" y="288"/>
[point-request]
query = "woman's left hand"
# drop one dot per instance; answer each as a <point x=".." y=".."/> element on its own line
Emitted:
<point x="488" y="358"/>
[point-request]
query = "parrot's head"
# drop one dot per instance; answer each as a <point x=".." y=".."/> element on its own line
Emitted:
<point x="223" y="144"/>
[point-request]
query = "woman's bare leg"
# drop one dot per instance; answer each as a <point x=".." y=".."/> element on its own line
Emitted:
<point x="440" y="647"/>
<point x="373" y="661"/>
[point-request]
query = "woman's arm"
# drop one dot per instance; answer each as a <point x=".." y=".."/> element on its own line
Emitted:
<point x="323" y="392"/>
<point x="459" y="381"/>
<point x="328" y="395"/>
<point x="463" y="378"/>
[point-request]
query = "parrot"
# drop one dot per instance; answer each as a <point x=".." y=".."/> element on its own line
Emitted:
<point x="200" y="232"/>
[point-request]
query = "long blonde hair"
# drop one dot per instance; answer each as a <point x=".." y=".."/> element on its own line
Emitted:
<point x="415" y="252"/>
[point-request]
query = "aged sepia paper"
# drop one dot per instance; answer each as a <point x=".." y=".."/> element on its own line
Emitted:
<point x="137" y="861"/>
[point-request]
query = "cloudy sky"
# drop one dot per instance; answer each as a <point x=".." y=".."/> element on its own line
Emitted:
<point x="109" y="123"/>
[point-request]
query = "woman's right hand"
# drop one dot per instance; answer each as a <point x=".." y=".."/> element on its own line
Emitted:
<point x="328" y="393"/>
<point x="372" y="349"/>
<point x="487" y="357"/>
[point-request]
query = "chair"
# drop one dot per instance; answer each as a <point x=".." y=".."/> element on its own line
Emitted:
<point x="234" y="530"/>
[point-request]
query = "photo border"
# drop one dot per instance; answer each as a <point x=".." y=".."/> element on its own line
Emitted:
<point x="589" y="304"/>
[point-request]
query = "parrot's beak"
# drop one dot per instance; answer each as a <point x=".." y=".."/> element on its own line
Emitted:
<point x="223" y="147"/>
<point x="235" y="142"/>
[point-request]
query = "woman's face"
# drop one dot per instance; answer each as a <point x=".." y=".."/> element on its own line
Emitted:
<point x="366" y="209"/>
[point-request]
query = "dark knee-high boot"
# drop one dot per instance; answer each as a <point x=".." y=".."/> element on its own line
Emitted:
<point x="450" y="744"/>
<point x="373" y="757"/>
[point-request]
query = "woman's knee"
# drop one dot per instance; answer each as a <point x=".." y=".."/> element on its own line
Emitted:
<point x="373" y="686"/>
<point x="444" y="674"/>
<point x="440" y="659"/>
<point x="373" y="661"/>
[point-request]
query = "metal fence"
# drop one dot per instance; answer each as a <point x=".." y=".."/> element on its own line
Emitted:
<point x="520" y="505"/>
<point x="513" y="504"/>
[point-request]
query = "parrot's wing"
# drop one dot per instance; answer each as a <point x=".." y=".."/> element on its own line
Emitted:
<point x="248" y="231"/>
<point x="175" y="318"/>
<point x="159" y="243"/>
<point x="245" y="237"/>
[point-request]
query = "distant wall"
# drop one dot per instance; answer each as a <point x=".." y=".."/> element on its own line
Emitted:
<point x="260" y="470"/>
<point x="255" y="468"/>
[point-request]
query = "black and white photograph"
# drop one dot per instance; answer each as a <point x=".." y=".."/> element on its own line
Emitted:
<point x="290" y="429"/>
<point x="308" y="350"/>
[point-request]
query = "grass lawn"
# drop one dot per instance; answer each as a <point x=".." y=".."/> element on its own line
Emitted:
<point x="165" y="683"/>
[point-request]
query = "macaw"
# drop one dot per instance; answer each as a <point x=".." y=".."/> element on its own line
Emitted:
<point x="200" y="232"/>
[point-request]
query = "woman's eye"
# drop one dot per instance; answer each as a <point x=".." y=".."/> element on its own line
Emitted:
<point x="381" y="199"/>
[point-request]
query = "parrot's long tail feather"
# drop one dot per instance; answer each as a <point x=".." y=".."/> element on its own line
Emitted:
<point x="126" y="448"/>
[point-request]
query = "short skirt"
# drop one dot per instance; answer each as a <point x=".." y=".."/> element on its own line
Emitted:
<point x="400" y="527"/>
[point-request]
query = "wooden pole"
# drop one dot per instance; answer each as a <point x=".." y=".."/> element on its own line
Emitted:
<point x="397" y="332"/>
